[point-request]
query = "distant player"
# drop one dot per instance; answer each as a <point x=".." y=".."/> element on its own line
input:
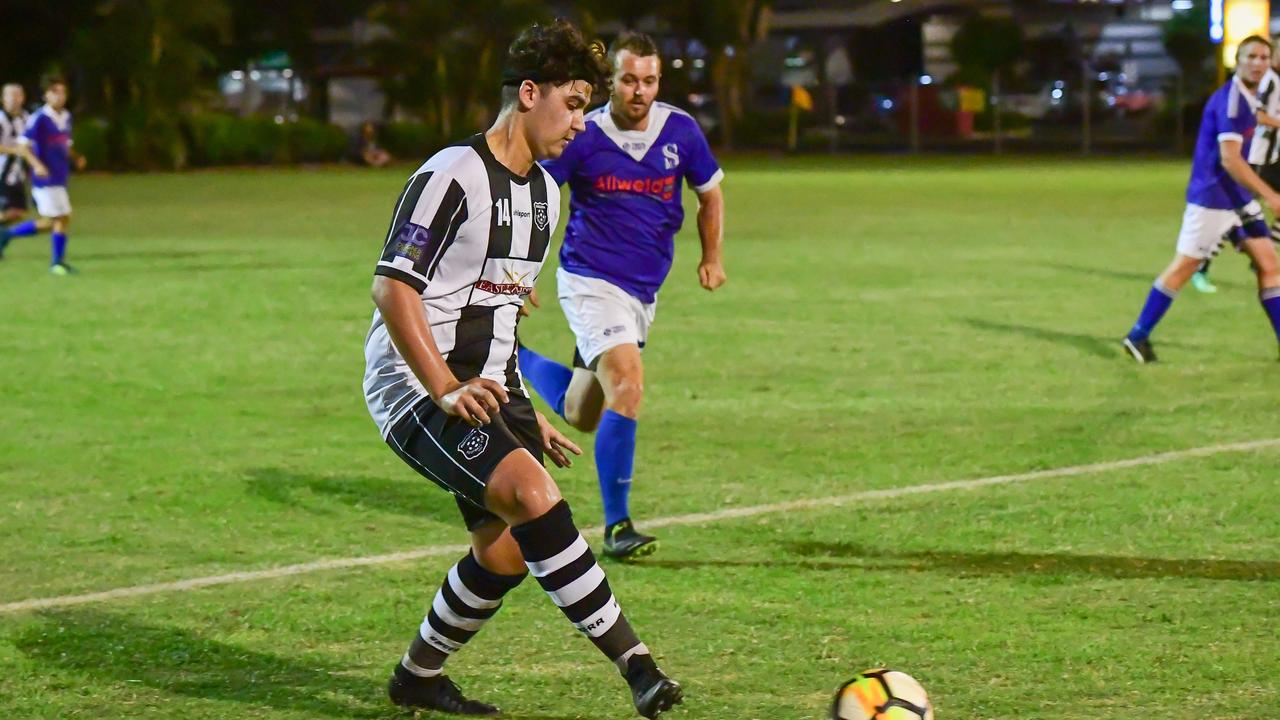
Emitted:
<point x="1264" y="157"/>
<point x="48" y="133"/>
<point x="625" y="176"/>
<point x="467" y="240"/>
<point x="1219" y="200"/>
<point x="15" y="160"/>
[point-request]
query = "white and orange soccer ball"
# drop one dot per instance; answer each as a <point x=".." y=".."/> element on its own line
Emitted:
<point x="881" y="694"/>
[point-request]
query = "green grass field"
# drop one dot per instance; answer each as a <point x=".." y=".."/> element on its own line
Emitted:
<point x="190" y="405"/>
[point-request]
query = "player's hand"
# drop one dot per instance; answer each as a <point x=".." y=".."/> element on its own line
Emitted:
<point x="555" y="443"/>
<point x="711" y="274"/>
<point x="476" y="401"/>
<point x="530" y="304"/>
<point x="81" y="162"/>
<point x="1273" y="203"/>
<point x="39" y="169"/>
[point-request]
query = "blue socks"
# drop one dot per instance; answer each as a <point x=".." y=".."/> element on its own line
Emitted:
<point x="548" y="377"/>
<point x="1271" y="303"/>
<point x="59" y="247"/>
<point x="615" y="462"/>
<point x="1158" y="302"/>
<point x="23" y="229"/>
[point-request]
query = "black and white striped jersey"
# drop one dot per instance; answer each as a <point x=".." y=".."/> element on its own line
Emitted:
<point x="471" y="237"/>
<point x="13" y="169"/>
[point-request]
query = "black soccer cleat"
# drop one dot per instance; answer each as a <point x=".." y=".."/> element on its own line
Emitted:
<point x="623" y="542"/>
<point x="434" y="693"/>
<point x="652" y="691"/>
<point x="1140" y="350"/>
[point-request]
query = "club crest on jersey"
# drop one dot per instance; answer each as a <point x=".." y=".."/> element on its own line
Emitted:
<point x="411" y="240"/>
<point x="540" y="215"/>
<point x="670" y="156"/>
<point x="473" y="444"/>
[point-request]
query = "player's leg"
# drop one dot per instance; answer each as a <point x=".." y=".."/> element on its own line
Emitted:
<point x="14" y="200"/>
<point x="54" y="203"/>
<point x="584" y="401"/>
<point x="1202" y="229"/>
<point x="470" y="594"/>
<point x="498" y="468"/>
<point x="1200" y="280"/>
<point x="456" y="457"/>
<point x="523" y="494"/>
<point x="549" y="378"/>
<point x="621" y="373"/>
<point x="1263" y="253"/>
<point x="58" y="245"/>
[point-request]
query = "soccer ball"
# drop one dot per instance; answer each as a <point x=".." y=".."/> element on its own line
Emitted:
<point x="881" y="694"/>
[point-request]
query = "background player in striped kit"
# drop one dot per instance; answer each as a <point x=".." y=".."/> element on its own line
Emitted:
<point x="14" y="163"/>
<point x="625" y="174"/>
<point x="467" y="240"/>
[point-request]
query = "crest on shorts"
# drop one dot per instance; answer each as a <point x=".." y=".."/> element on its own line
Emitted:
<point x="540" y="215"/>
<point x="473" y="444"/>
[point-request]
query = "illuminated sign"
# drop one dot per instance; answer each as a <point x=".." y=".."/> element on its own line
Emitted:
<point x="1215" y="20"/>
<point x="1240" y="19"/>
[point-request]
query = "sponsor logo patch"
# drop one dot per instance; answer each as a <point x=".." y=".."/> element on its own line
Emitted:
<point x="411" y="241"/>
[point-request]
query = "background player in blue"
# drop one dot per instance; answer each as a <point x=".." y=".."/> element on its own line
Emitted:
<point x="1219" y="200"/>
<point x="625" y="175"/>
<point x="49" y="135"/>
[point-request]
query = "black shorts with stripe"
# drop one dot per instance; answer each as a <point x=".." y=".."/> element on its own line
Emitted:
<point x="13" y="197"/>
<point x="460" y="458"/>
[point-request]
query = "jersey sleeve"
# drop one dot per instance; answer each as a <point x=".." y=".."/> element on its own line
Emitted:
<point x="1226" y="127"/>
<point x="35" y="131"/>
<point x="702" y="171"/>
<point x="427" y="217"/>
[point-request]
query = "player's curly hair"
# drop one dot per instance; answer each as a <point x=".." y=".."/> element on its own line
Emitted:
<point x="640" y="44"/>
<point x="555" y="53"/>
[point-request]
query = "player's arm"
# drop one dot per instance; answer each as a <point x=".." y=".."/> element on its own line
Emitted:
<point x="1265" y="118"/>
<point x="428" y="216"/>
<point x="401" y="307"/>
<point x="711" y="232"/>
<point x="24" y="151"/>
<point x="1234" y="163"/>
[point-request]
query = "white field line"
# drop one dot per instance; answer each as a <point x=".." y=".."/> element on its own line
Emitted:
<point x="691" y="519"/>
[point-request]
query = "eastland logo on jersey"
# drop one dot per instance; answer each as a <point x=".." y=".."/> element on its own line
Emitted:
<point x="662" y="187"/>
<point x="514" y="285"/>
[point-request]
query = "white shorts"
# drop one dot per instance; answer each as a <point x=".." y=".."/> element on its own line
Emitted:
<point x="52" y="201"/>
<point x="602" y="315"/>
<point x="1203" y="228"/>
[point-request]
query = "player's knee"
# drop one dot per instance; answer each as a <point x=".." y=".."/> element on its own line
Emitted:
<point x="520" y="489"/>
<point x="626" y="394"/>
<point x="580" y="419"/>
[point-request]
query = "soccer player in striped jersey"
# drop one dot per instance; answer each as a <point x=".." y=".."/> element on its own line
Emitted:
<point x="48" y="133"/>
<point x="1219" y="200"/>
<point x="625" y="175"/>
<point x="15" y="159"/>
<point x="467" y="240"/>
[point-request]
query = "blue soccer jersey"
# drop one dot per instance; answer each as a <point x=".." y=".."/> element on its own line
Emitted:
<point x="625" y="196"/>
<point x="49" y="135"/>
<point x="1229" y="115"/>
